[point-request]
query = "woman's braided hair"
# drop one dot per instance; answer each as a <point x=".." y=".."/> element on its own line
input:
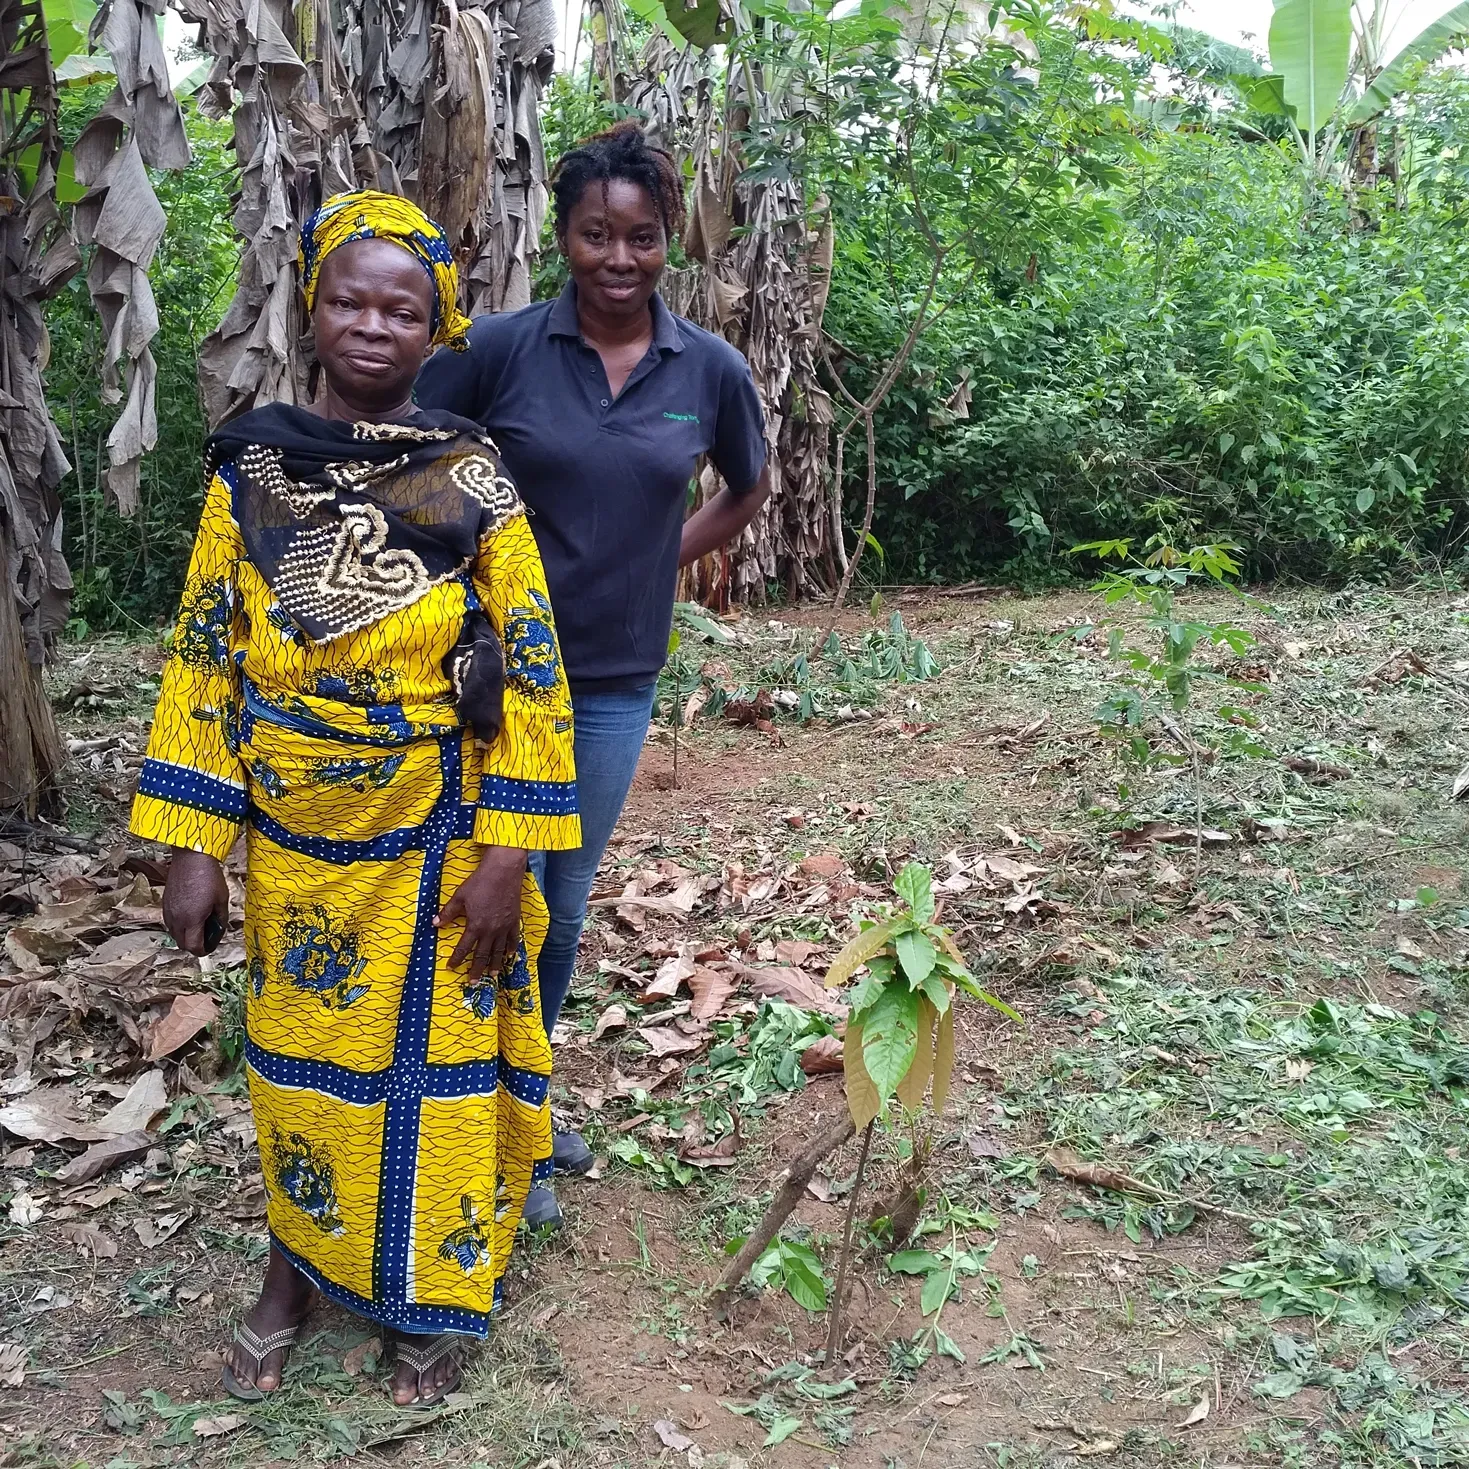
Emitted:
<point x="622" y="152"/>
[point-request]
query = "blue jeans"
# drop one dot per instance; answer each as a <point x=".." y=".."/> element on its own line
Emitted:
<point x="610" y="729"/>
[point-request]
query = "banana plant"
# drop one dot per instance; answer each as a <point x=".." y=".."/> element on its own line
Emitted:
<point x="1337" y="65"/>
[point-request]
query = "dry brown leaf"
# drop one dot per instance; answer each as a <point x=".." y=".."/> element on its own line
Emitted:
<point x="664" y="1040"/>
<point x="671" y="1438"/>
<point x="354" y="1363"/>
<point x="24" y="1210"/>
<point x="614" y="1017"/>
<point x="1196" y="1414"/>
<point x="711" y="988"/>
<point x="819" y="1187"/>
<point x="217" y="1426"/>
<point x="145" y="1099"/>
<point x="1008" y="869"/>
<point x="49" y="1115"/>
<point x="823" y="1056"/>
<point x="796" y="987"/>
<point x="34" y="953"/>
<point x="796" y="952"/>
<point x="187" y="1016"/>
<point x="12" y="1364"/>
<point x="823" y="865"/>
<point x="670" y="977"/>
<point x="713" y="1155"/>
<point x="153" y="1231"/>
<point x="104" y="1155"/>
<point x="1078" y="1170"/>
<point x="1314" y="769"/>
<point x="89" y="1237"/>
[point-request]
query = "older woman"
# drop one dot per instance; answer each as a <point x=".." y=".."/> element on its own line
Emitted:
<point x="602" y="402"/>
<point x="335" y="686"/>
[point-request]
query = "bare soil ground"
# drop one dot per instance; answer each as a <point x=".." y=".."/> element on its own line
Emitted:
<point x="1262" y="1035"/>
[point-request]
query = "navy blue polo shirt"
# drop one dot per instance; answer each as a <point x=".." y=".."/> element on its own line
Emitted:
<point x="606" y="479"/>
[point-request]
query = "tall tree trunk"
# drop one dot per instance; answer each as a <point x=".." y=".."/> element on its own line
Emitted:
<point x="37" y="258"/>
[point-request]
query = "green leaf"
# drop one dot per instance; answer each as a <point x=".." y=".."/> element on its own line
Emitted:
<point x="781" y="1429"/>
<point x="653" y="12"/>
<point x="692" y="615"/>
<point x="67" y="23"/>
<point x="1310" y="47"/>
<point x="1365" y="496"/>
<point x="947" y="1346"/>
<point x="917" y="955"/>
<point x="806" y="1287"/>
<point x="916" y="1262"/>
<point x="936" y="990"/>
<point x="868" y="988"/>
<point x="1261" y="94"/>
<point x="936" y="1289"/>
<point x="702" y="25"/>
<point x="811" y="1387"/>
<point x="914" y="885"/>
<point x="890" y="1038"/>
<point x="1428" y="45"/>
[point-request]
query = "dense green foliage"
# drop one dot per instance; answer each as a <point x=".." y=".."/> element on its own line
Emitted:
<point x="1225" y="359"/>
<point x="128" y="572"/>
<point x="1145" y="332"/>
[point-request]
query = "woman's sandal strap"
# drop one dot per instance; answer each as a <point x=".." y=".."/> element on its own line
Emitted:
<point x="419" y="1360"/>
<point x="260" y="1347"/>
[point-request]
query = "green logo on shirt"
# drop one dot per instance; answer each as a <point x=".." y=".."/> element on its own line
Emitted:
<point x="683" y="417"/>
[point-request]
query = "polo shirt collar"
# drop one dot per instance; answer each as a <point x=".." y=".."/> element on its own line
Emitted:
<point x="563" y="323"/>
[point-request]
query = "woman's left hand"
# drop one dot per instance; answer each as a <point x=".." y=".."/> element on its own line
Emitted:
<point x="488" y="905"/>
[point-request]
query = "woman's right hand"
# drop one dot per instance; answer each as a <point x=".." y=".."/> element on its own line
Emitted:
<point x="194" y="893"/>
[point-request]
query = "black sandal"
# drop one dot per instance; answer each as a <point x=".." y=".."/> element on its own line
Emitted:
<point x="421" y="1360"/>
<point x="259" y="1347"/>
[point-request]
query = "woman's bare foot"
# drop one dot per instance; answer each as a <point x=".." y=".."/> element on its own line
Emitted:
<point x="285" y="1298"/>
<point x="412" y="1384"/>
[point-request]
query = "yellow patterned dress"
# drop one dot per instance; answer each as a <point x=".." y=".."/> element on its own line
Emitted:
<point x="402" y="1113"/>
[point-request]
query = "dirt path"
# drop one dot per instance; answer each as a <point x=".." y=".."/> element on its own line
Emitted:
<point x="1267" y="1038"/>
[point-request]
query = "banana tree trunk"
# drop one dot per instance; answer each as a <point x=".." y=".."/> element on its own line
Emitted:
<point x="759" y="279"/>
<point x="37" y="258"/>
<point x="429" y="98"/>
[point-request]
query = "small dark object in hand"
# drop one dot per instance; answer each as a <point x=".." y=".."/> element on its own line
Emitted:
<point x="213" y="933"/>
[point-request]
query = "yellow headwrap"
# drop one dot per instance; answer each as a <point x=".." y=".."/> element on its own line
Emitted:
<point x="367" y="215"/>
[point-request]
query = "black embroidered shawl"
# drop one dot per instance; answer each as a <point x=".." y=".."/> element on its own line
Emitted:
<point x="349" y="522"/>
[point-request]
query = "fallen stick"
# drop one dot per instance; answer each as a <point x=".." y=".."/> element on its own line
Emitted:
<point x="1099" y="1175"/>
<point x="793" y="1181"/>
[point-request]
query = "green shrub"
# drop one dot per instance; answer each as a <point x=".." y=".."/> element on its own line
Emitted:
<point x="1219" y="362"/>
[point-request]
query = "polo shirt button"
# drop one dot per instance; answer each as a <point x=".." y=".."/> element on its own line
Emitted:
<point x="604" y="402"/>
